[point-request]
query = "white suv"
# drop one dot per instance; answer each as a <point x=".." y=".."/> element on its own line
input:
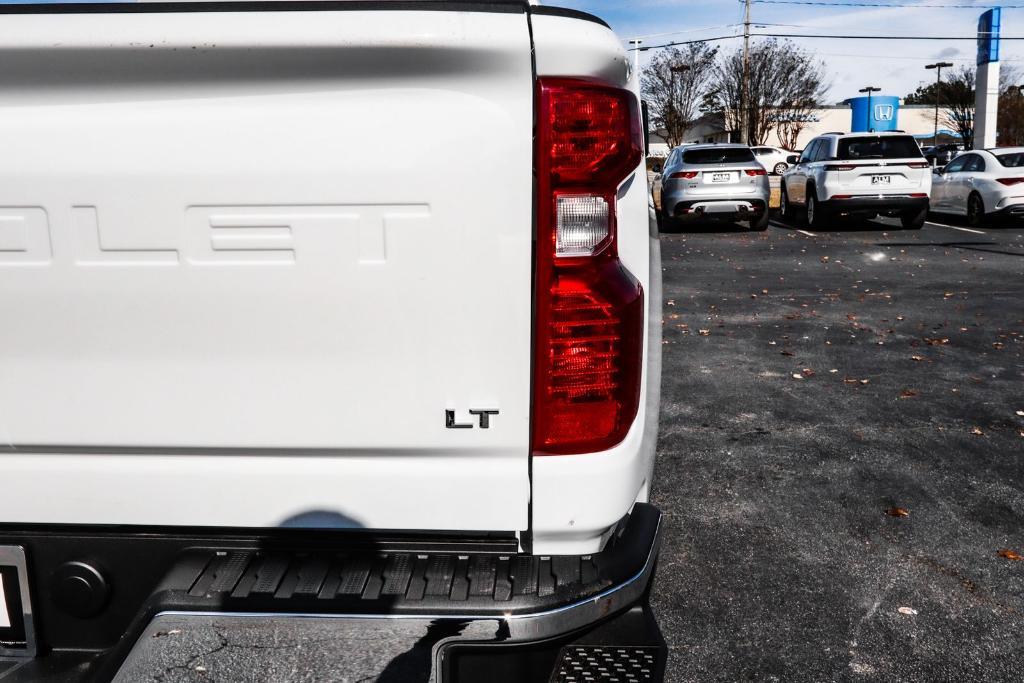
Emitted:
<point x="863" y="174"/>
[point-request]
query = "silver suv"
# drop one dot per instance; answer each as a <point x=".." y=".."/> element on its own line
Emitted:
<point x="722" y="182"/>
<point x="862" y="174"/>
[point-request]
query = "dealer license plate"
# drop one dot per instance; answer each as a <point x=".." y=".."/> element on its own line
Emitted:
<point x="881" y="179"/>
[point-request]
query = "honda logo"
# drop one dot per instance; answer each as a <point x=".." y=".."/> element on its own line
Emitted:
<point x="883" y="112"/>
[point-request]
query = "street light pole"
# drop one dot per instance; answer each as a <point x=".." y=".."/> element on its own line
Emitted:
<point x="938" y="66"/>
<point x="636" y="42"/>
<point x="870" y="89"/>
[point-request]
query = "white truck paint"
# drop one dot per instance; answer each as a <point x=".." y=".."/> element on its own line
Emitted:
<point x="248" y="263"/>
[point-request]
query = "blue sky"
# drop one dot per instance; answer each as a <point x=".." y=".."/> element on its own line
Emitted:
<point x="895" y="66"/>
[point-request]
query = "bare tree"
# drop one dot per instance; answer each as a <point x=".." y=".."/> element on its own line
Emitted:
<point x="1010" y="123"/>
<point x="956" y="97"/>
<point x="792" y="121"/>
<point x="674" y="84"/>
<point x="786" y="82"/>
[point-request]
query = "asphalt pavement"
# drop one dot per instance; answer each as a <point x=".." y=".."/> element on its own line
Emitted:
<point x="841" y="458"/>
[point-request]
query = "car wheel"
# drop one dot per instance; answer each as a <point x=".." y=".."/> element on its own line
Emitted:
<point x="975" y="211"/>
<point x="785" y="208"/>
<point x="761" y="222"/>
<point x="815" y="213"/>
<point x="780" y="168"/>
<point x="914" y="219"/>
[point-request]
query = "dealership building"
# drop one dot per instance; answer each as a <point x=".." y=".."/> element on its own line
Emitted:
<point x="853" y="115"/>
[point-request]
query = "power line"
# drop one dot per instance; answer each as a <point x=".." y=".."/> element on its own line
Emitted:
<point x="675" y="33"/>
<point x="883" y="5"/>
<point x="819" y="35"/>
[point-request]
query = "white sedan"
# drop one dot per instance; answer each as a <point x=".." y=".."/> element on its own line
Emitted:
<point x="774" y="159"/>
<point x="981" y="184"/>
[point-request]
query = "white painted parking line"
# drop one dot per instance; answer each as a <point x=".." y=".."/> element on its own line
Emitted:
<point x="777" y="224"/>
<point x="956" y="227"/>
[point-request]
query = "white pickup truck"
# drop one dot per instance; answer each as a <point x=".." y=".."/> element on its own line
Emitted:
<point x="336" y="318"/>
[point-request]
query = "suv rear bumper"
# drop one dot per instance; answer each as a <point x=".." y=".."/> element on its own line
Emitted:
<point x="875" y="204"/>
<point x="442" y="593"/>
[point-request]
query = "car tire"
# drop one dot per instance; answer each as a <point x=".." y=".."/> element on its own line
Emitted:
<point x="780" y="168"/>
<point x="785" y="208"/>
<point x="760" y="223"/>
<point x="975" y="210"/>
<point x="914" y="219"/>
<point x="815" y="214"/>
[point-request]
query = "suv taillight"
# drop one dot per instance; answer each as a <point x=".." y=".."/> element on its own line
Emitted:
<point x="1009" y="181"/>
<point x="589" y="315"/>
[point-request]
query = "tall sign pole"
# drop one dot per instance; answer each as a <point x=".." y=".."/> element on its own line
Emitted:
<point x="986" y="88"/>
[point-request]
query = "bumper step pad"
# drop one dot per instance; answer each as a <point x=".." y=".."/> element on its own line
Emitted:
<point x="610" y="664"/>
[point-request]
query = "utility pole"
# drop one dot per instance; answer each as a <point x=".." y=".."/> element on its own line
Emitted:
<point x="745" y="96"/>
<point x="938" y="66"/>
<point x="673" y="70"/>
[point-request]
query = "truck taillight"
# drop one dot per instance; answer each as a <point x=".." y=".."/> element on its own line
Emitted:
<point x="589" y="315"/>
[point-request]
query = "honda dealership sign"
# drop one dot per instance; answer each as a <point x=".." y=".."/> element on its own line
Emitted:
<point x="881" y="114"/>
<point x="986" y="88"/>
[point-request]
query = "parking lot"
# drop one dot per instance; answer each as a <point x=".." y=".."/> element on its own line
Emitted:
<point x="840" y="458"/>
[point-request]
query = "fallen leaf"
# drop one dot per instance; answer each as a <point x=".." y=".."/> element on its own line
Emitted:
<point x="997" y="345"/>
<point x="917" y="358"/>
<point x="704" y="333"/>
<point x="936" y="342"/>
<point x="784" y="352"/>
<point x="1020" y="413"/>
<point x="824" y="259"/>
<point x="797" y="375"/>
<point x="898" y="512"/>
<point x="1008" y="554"/>
<point x="807" y="372"/>
<point x="908" y="393"/>
<point x="909" y="611"/>
<point x="865" y="381"/>
<point x="977" y="431"/>
<point x="899" y="317"/>
<point x="833" y="371"/>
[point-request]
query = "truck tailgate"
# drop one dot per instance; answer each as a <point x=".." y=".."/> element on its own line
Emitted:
<point x="249" y="261"/>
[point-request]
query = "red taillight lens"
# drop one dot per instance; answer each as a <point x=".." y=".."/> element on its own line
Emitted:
<point x="919" y="165"/>
<point x="839" y="167"/>
<point x="593" y="133"/>
<point x="755" y="171"/>
<point x="684" y="174"/>
<point x="589" y="328"/>
<point x="1010" y="181"/>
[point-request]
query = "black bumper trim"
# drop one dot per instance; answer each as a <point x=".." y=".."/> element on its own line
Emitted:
<point x="875" y="204"/>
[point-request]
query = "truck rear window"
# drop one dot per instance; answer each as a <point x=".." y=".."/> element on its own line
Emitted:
<point x="725" y="155"/>
<point x="878" y="147"/>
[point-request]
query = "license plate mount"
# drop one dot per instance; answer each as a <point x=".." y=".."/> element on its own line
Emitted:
<point x="881" y="179"/>
<point x="17" y="629"/>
